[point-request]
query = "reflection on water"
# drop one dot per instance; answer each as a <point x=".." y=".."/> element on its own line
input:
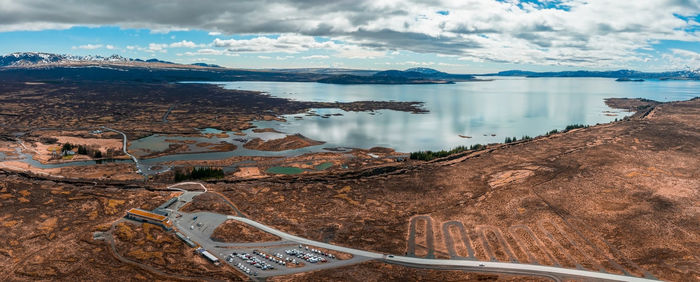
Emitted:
<point x="485" y="111"/>
<point x="460" y="114"/>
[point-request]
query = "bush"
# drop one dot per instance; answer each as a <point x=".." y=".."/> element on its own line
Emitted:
<point x="525" y="137"/>
<point x="82" y="150"/>
<point x="553" y="131"/>
<point x="200" y="173"/>
<point x="98" y="154"/>
<point x="574" y="126"/>
<point x="67" y="147"/>
<point x="430" y="155"/>
<point x="48" y="140"/>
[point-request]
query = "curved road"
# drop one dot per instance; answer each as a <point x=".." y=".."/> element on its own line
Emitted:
<point x="481" y="266"/>
<point x="136" y="161"/>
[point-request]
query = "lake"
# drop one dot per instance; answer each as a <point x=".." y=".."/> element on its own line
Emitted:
<point x="487" y="111"/>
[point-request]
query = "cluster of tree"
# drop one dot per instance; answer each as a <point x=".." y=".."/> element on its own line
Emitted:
<point x="574" y="126"/>
<point x="511" y="140"/>
<point x="199" y="173"/>
<point x="82" y="150"/>
<point x="430" y="155"/>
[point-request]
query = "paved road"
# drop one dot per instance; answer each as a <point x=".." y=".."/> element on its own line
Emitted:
<point x="481" y="266"/>
<point x="202" y="235"/>
<point x="136" y="161"/>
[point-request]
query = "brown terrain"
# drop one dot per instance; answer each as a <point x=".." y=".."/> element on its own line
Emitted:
<point x="233" y="231"/>
<point x="375" y="271"/>
<point x="140" y="109"/>
<point x="289" y="142"/>
<point x="149" y="245"/>
<point x="620" y="197"/>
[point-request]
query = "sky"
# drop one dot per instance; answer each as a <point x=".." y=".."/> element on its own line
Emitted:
<point x="458" y="36"/>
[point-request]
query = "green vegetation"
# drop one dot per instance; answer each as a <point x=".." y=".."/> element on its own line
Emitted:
<point x="82" y="150"/>
<point x="553" y="131"/>
<point x="98" y="154"/>
<point x="430" y="155"/>
<point x="324" y="166"/>
<point x="200" y="173"/>
<point x="511" y="140"/>
<point x="67" y="147"/>
<point x="284" y="170"/>
<point x="574" y="126"/>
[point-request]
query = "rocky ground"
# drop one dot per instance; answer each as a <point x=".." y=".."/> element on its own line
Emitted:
<point x="620" y="197"/>
<point x="139" y="109"/>
<point x="233" y="231"/>
<point x="289" y="142"/>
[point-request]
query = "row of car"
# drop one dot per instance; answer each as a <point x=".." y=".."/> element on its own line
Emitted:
<point x="305" y="256"/>
<point x="251" y="260"/>
<point x="316" y="251"/>
<point x="277" y="260"/>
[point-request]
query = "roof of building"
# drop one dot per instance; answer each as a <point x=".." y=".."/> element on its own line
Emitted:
<point x="147" y="214"/>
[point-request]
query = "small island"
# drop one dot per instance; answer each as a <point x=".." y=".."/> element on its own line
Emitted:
<point x="625" y="79"/>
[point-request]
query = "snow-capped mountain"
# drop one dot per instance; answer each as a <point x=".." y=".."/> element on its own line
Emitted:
<point x="20" y="59"/>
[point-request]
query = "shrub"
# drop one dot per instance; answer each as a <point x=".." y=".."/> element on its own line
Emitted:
<point x="200" y="173"/>
<point x="67" y="147"/>
<point x="430" y="155"/>
<point x="574" y="126"/>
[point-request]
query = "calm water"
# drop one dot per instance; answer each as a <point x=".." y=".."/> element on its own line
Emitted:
<point x="504" y="107"/>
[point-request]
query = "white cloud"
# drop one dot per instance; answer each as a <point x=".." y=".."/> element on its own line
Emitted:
<point x="185" y="44"/>
<point x="264" y="57"/>
<point x="282" y="58"/>
<point x="680" y="59"/>
<point x="315" y="57"/>
<point x="109" y="47"/>
<point x="209" y="52"/>
<point x="285" y="43"/>
<point x="589" y="33"/>
<point x="88" y="46"/>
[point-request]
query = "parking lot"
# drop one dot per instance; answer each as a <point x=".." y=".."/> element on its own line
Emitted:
<point x="263" y="259"/>
<point x="278" y="260"/>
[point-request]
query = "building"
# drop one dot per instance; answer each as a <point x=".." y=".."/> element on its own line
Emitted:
<point x="150" y="217"/>
<point x="185" y="239"/>
<point x="161" y="209"/>
<point x="206" y="254"/>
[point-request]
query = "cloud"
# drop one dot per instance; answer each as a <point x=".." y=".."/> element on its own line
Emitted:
<point x="680" y="58"/>
<point x="184" y="44"/>
<point x="89" y="46"/>
<point x="264" y="57"/>
<point x="565" y="32"/>
<point x="286" y="43"/>
<point x="315" y="57"/>
<point x="209" y="52"/>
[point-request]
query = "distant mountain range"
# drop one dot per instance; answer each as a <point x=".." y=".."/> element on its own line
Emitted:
<point x="34" y="59"/>
<point x="47" y="66"/>
<point x="628" y="74"/>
